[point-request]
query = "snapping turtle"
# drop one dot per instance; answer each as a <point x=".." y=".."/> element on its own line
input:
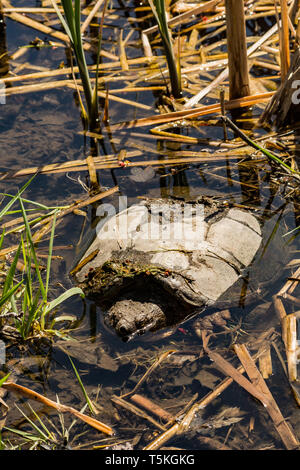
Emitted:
<point x="159" y="261"/>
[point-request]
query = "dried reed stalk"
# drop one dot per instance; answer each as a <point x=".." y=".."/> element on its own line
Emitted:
<point x="152" y="407"/>
<point x="284" y="40"/>
<point x="186" y="17"/>
<point x="265" y="363"/>
<point x="195" y="99"/>
<point x="32" y="395"/>
<point x="290" y="285"/>
<point x="134" y="409"/>
<point x="180" y="427"/>
<point x="149" y="371"/>
<point x="263" y="394"/>
<point x="122" y="51"/>
<point x="112" y="97"/>
<point x="91" y="15"/>
<point x="46" y="223"/>
<point x="146" y="45"/>
<point x="92" y="172"/>
<point x="281" y="313"/>
<point x="237" y="49"/>
<point x="68" y="70"/>
<point x="47" y="30"/>
<point x="81" y="165"/>
<point x="291" y="345"/>
<point x="193" y="113"/>
<point x="22" y="89"/>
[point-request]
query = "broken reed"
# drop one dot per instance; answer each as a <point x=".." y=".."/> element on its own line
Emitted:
<point x="284" y="39"/>
<point x="237" y="49"/>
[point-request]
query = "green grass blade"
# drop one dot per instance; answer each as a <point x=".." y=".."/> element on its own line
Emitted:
<point x="56" y="302"/>
<point x="72" y="26"/>
<point x="11" y="273"/>
<point x="27" y="264"/>
<point x="38" y="430"/>
<point x="70" y="17"/>
<point x="90" y="405"/>
<point x="31" y="243"/>
<point x="2" y="238"/>
<point x="159" y="11"/>
<point x="291" y="231"/>
<point x="38" y="204"/>
<point x="50" y="435"/>
<point x="95" y="107"/>
<point x="24" y="434"/>
<point x="68" y="24"/>
<point x="4" y="379"/>
<point x="50" y="254"/>
<point x="253" y="144"/>
<point x="33" y="312"/>
<point x="13" y="303"/>
<point x="77" y="19"/>
<point x="81" y="61"/>
<point x="5" y="297"/>
<point x="14" y="198"/>
<point x="154" y="11"/>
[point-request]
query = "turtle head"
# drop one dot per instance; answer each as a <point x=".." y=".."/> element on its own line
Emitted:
<point x="130" y="317"/>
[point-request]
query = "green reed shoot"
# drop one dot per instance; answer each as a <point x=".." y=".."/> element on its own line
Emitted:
<point x="35" y="303"/>
<point x="256" y="146"/>
<point x="71" y="22"/>
<point x="10" y="288"/>
<point x="4" y="379"/>
<point x="28" y="298"/>
<point x="158" y="8"/>
<point x="88" y="401"/>
<point x="13" y="199"/>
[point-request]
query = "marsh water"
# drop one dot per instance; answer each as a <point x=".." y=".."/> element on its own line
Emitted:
<point x="42" y="127"/>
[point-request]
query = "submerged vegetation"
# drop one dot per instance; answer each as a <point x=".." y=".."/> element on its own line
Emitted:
<point x="158" y="85"/>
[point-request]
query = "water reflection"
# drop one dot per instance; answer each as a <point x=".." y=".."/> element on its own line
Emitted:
<point x="4" y="65"/>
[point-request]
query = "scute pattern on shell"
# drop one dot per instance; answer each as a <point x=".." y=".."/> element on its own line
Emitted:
<point x="198" y="254"/>
<point x="203" y="263"/>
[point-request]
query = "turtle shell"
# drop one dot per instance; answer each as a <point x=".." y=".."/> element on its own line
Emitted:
<point x="200" y="254"/>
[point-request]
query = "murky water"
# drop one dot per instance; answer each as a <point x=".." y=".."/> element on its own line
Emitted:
<point x="44" y="127"/>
